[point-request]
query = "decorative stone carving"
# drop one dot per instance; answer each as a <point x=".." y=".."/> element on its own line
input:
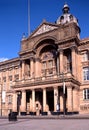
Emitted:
<point x="44" y="28"/>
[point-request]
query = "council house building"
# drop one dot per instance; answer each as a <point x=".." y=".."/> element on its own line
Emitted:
<point x="51" y="72"/>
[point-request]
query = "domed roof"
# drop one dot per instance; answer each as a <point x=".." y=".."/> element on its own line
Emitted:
<point x="66" y="17"/>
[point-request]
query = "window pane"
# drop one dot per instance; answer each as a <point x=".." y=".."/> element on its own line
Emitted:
<point x="50" y="64"/>
<point x="9" y="99"/>
<point x="85" y="57"/>
<point x="44" y="65"/>
<point x="86" y="94"/>
<point x="86" y="73"/>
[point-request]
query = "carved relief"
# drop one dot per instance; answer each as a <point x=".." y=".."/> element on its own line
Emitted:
<point x="47" y="55"/>
<point x="44" y="28"/>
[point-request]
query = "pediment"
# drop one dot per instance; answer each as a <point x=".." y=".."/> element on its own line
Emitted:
<point x="44" y="28"/>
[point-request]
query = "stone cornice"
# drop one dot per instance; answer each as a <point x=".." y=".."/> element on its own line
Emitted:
<point x="46" y="82"/>
<point x="10" y="61"/>
<point x="74" y="40"/>
<point x="9" y="64"/>
<point x="84" y="41"/>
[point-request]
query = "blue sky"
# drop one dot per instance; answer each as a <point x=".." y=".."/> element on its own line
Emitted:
<point x="14" y="20"/>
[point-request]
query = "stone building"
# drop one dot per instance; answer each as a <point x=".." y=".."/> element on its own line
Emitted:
<point x="51" y="71"/>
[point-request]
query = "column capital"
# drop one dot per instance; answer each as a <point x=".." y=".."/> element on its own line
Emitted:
<point x="37" y="59"/>
<point x="23" y="61"/>
<point x="60" y="50"/>
<point x="55" y="87"/>
<point x="32" y="89"/>
<point x="44" y="88"/>
<point x="32" y="59"/>
<point x="69" y="86"/>
<point x="23" y="90"/>
<point x="73" y="48"/>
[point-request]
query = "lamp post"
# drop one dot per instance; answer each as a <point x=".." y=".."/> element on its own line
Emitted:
<point x="63" y="94"/>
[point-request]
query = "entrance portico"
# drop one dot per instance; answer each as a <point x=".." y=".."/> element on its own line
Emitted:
<point x="40" y="100"/>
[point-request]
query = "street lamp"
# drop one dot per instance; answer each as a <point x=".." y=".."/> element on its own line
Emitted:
<point x="64" y="112"/>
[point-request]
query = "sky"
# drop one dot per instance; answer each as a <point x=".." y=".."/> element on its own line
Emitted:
<point x="14" y="20"/>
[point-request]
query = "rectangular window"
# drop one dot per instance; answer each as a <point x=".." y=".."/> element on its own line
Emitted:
<point x="10" y="85"/>
<point x="4" y="86"/>
<point x="50" y="64"/>
<point x="4" y="79"/>
<point x="9" y="99"/>
<point x="86" y="93"/>
<point x="86" y="73"/>
<point x="10" y="78"/>
<point x="44" y="65"/>
<point x="16" y="70"/>
<point x="85" y="57"/>
<point x="16" y="77"/>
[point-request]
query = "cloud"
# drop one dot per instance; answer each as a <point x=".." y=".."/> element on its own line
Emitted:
<point x="3" y="59"/>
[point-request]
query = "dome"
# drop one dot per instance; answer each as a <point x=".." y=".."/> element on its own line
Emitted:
<point x="66" y="17"/>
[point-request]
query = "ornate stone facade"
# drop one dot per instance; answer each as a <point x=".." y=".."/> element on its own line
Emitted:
<point x="51" y="72"/>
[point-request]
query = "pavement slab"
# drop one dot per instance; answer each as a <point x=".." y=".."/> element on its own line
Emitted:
<point x="50" y="124"/>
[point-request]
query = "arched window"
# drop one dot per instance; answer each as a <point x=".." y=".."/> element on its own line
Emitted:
<point x="48" y="62"/>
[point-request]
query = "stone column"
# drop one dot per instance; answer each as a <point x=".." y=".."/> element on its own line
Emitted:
<point x="44" y="99"/>
<point x="75" y="100"/>
<point x="23" y="69"/>
<point x="61" y="101"/>
<point x="23" y="101"/>
<point x="37" y="68"/>
<point x="33" y="100"/>
<point x="69" y="99"/>
<point x="32" y="67"/>
<point x="61" y="61"/>
<point x="55" y="98"/>
<point x="14" y="102"/>
<point x="73" y="61"/>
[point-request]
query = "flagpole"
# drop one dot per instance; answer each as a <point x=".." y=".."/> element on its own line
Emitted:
<point x="28" y="17"/>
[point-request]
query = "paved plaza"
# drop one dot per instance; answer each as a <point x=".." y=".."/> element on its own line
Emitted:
<point x="45" y="124"/>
